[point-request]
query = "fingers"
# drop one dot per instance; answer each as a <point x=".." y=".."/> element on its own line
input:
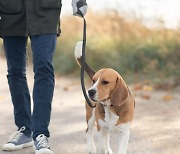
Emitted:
<point x="79" y="7"/>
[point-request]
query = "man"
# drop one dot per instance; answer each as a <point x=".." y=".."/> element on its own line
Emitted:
<point x="39" y="20"/>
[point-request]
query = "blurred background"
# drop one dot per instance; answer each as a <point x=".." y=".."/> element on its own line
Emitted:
<point x="140" y="39"/>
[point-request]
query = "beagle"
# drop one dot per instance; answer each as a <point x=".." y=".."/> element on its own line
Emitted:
<point x="114" y="108"/>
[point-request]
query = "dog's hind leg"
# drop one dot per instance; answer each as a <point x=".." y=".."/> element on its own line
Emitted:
<point x="90" y="139"/>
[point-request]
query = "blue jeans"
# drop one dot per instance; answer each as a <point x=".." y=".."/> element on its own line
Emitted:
<point x="43" y="47"/>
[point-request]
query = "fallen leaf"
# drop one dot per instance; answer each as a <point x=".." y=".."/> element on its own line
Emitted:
<point x="167" y="98"/>
<point x="145" y="96"/>
<point x="148" y="88"/>
<point x="65" y="88"/>
<point x="167" y="85"/>
<point x="138" y="87"/>
<point x="1" y="98"/>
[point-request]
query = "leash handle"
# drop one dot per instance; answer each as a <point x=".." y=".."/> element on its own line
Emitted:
<point x="83" y="62"/>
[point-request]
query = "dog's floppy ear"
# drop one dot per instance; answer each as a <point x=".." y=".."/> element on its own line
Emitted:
<point x="120" y="93"/>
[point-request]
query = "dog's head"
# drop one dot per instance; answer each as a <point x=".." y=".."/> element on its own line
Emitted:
<point x="108" y="85"/>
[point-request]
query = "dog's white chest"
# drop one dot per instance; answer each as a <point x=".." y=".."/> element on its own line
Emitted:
<point x="110" y="119"/>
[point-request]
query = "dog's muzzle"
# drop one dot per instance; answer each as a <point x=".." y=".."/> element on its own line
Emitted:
<point x="92" y="94"/>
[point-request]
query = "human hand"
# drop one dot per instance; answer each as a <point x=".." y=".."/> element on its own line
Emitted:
<point x="79" y="7"/>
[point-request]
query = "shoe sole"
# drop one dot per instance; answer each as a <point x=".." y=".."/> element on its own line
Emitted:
<point x="12" y="147"/>
<point x="42" y="151"/>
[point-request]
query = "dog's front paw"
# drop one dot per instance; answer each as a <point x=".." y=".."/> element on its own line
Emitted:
<point x="91" y="152"/>
<point x="110" y="151"/>
<point x="102" y="151"/>
<point x="91" y="149"/>
<point x="108" y="148"/>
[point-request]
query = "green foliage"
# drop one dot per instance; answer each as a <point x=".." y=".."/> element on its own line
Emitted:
<point x="127" y="46"/>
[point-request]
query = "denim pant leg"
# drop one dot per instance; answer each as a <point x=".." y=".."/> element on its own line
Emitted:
<point x="43" y="47"/>
<point x="15" y="51"/>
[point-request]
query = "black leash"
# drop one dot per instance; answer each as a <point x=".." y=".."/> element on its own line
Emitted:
<point x="80" y="4"/>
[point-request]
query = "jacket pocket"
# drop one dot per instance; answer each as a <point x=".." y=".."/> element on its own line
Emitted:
<point x="51" y="4"/>
<point x="10" y="6"/>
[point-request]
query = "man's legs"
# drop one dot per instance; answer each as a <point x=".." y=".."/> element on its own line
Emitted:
<point x="15" y="51"/>
<point x="43" y="47"/>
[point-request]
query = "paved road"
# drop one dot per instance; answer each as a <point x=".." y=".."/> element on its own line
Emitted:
<point x="155" y="128"/>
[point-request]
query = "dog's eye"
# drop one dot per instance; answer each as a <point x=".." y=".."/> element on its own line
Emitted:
<point x="93" y="81"/>
<point x="104" y="82"/>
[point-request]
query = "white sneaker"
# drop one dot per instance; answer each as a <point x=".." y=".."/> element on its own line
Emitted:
<point x="18" y="141"/>
<point x="41" y="145"/>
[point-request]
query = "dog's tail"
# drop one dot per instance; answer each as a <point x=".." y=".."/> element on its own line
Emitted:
<point x="78" y="56"/>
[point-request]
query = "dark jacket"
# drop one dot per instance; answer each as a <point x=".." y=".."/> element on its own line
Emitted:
<point x="29" y="17"/>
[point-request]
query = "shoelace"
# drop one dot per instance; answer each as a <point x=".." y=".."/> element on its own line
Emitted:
<point x="16" y="135"/>
<point x="42" y="141"/>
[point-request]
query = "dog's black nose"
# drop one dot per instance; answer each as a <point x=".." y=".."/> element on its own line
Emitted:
<point x="92" y="92"/>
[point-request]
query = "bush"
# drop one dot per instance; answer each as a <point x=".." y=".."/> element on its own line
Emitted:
<point x="127" y="46"/>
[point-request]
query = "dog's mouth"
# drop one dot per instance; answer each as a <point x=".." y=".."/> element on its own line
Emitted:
<point x="99" y="100"/>
<point x="93" y="99"/>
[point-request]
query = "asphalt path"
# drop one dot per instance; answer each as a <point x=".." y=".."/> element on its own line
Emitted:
<point x="154" y="130"/>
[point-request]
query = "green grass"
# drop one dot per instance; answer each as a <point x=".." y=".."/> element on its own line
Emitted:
<point x="126" y="46"/>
